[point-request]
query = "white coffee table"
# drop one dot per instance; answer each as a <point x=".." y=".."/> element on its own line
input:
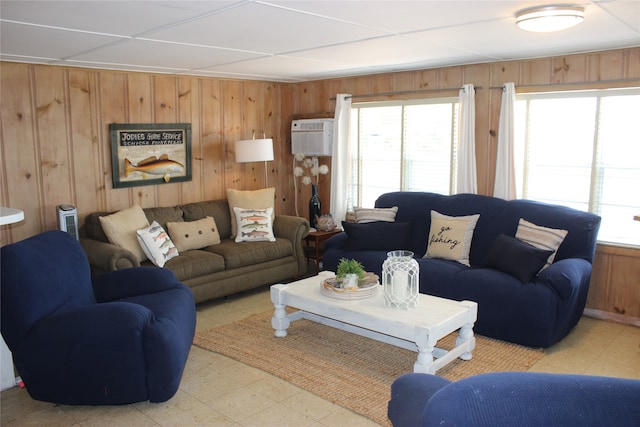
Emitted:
<point x="416" y="329"/>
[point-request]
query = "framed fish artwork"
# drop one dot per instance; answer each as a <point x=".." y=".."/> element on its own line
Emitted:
<point x="150" y="154"/>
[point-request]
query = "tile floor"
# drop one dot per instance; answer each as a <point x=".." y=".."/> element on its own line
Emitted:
<point x="217" y="391"/>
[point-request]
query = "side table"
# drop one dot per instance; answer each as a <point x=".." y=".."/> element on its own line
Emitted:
<point x="315" y="251"/>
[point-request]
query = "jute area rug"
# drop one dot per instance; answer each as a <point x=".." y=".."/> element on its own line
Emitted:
<point x="347" y="369"/>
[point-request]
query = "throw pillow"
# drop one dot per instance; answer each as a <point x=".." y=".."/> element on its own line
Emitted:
<point x="254" y="225"/>
<point x="516" y="257"/>
<point x="545" y="238"/>
<point x="198" y="234"/>
<point x="380" y="235"/>
<point x="375" y="214"/>
<point x="121" y="228"/>
<point x="450" y="237"/>
<point x="256" y="199"/>
<point x="156" y="244"/>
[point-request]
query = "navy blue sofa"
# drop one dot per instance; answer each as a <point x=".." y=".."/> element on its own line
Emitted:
<point x="122" y="338"/>
<point x="511" y="399"/>
<point x="538" y="313"/>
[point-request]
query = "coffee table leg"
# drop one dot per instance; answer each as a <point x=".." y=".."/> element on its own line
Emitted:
<point x="424" y="362"/>
<point x="465" y="335"/>
<point x="279" y="321"/>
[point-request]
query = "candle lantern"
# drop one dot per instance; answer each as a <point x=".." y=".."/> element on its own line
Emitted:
<point x="400" y="274"/>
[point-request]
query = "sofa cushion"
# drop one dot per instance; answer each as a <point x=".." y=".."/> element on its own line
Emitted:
<point x="378" y="235"/>
<point x="218" y="209"/>
<point x="238" y="255"/>
<point x="156" y="244"/>
<point x="195" y="263"/>
<point x="541" y="237"/>
<point x="518" y="258"/>
<point x="257" y="199"/>
<point x="364" y="215"/>
<point x="198" y="234"/>
<point x="163" y="215"/>
<point x="121" y="228"/>
<point x="450" y="236"/>
<point x="254" y="225"/>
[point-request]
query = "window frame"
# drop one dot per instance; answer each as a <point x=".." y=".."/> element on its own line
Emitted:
<point x="596" y="202"/>
<point x="356" y="147"/>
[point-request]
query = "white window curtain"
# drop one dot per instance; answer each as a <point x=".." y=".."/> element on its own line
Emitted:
<point x="341" y="159"/>
<point x="505" y="183"/>
<point x="466" y="179"/>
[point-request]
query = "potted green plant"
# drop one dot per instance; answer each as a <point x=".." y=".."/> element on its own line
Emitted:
<point x="349" y="272"/>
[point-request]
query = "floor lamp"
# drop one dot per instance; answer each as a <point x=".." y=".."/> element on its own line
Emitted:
<point x="255" y="150"/>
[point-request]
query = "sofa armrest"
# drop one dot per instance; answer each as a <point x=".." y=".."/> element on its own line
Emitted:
<point x="294" y="229"/>
<point x="566" y="276"/>
<point x="105" y="257"/>
<point x="336" y="242"/>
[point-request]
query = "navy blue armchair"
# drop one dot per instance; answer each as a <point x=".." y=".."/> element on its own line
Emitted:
<point x="511" y="399"/>
<point x="122" y="338"/>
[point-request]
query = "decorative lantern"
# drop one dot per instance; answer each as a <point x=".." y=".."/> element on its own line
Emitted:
<point x="400" y="274"/>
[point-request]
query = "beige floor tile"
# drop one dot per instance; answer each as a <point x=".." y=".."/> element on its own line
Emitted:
<point x="242" y="404"/>
<point x="53" y="416"/>
<point x="310" y="405"/>
<point x="184" y="410"/>
<point x="344" y="417"/>
<point x="17" y="404"/>
<point x="279" y="416"/>
<point x="614" y="370"/>
<point x="211" y="386"/>
<point x="275" y="388"/>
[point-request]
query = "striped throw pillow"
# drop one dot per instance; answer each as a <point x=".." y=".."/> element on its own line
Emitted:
<point x="545" y="238"/>
<point x="364" y="215"/>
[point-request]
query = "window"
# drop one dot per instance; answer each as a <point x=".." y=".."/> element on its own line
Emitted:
<point x="582" y="150"/>
<point x="403" y="146"/>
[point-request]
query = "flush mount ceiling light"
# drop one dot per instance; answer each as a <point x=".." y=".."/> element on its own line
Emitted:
<point x="546" y="19"/>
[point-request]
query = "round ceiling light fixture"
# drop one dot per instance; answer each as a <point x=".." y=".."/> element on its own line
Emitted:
<point x="545" y="19"/>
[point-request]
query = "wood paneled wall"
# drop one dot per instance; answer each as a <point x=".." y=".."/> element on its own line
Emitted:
<point x="55" y="145"/>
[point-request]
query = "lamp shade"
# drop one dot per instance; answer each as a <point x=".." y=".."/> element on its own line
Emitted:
<point x="254" y="150"/>
<point x="549" y="18"/>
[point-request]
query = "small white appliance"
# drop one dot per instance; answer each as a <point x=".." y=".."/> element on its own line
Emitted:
<point x="68" y="219"/>
<point x="312" y="137"/>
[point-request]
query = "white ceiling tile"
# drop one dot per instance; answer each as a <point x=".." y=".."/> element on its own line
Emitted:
<point x="259" y="28"/>
<point x="111" y="17"/>
<point x="149" y="53"/>
<point x="18" y="39"/>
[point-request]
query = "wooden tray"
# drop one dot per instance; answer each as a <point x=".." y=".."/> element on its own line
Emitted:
<point x="370" y="288"/>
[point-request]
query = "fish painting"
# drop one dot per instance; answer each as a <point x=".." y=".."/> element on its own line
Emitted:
<point x="154" y="166"/>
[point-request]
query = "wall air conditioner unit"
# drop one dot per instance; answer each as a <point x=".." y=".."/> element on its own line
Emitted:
<point x="312" y="137"/>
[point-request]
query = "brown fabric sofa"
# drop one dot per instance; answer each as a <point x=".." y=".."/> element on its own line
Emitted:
<point x="213" y="271"/>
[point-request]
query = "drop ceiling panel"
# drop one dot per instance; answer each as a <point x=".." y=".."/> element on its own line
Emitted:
<point x="259" y="28"/>
<point x="149" y="53"/>
<point x="505" y="40"/>
<point x="398" y="50"/>
<point x="111" y="17"/>
<point x="626" y="11"/>
<point x="407" y="16"/>
<point x="18" y="39"/>
<point x="291" y="67"/>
